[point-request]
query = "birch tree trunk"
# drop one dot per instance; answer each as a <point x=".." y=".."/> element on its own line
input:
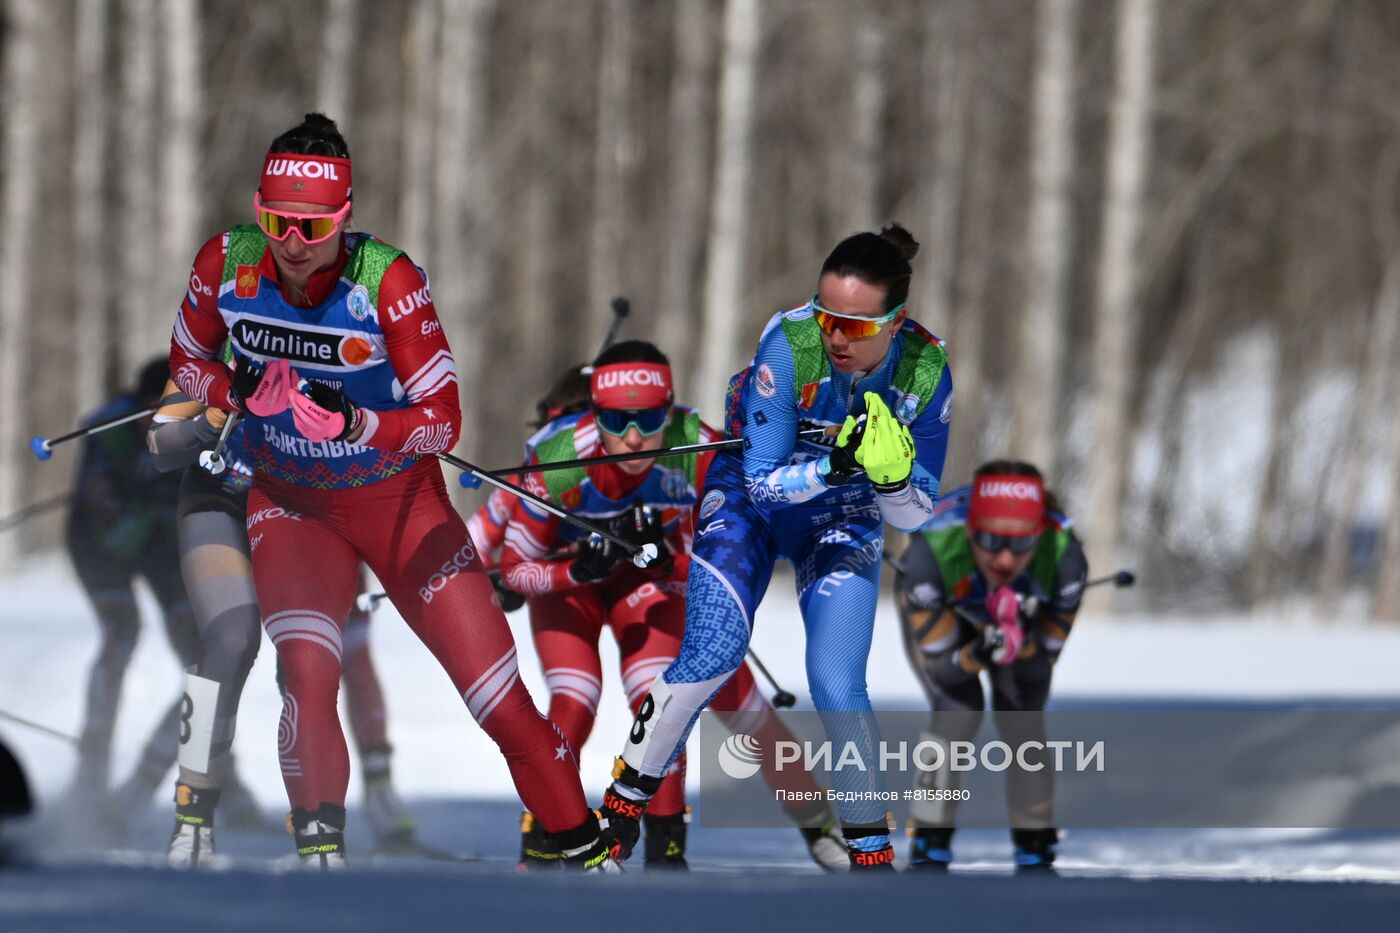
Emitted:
<point x="180" y="193"/>
<point x="138" y="191"/>
<point x="90" y="267"/>
<point x="416" y="178"/>
<point x="20" y="193"/>
<point x="720" y="353"/>
<point x="1374" y="379"/>
<point x="1044" y="319"/>
<point x="945" y="82"/>
<point x="462" y="283"/>
<point x="690" y="139"/>
<point x="1115" y="312"/>
<point x="334" y="79"/>
<point x="868" y="99"/>
<point x="615" y="153"/>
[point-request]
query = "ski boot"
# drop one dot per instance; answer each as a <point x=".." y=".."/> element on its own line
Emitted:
<point x="868" y="847"/>
<point x="393" y="828"/>
<point x="539" y="851"/>
<point x="320" y="836"/>
<point x="587" y="847"/>
<point x="1035" y="850"/>
<point x="665" y="841"/>
<point x="623" y="803"/>
<point x="931" y="849"/>
<point x="192" y="842"/>
<point x="818" y="824"/>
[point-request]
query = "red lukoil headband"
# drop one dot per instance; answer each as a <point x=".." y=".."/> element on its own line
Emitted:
<point x="312" y="179"/>
<point x="626" y="386"/>
<point x="1014" y="498"/>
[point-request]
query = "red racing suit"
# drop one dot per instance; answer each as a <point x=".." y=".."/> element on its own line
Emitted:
<point x="644" y="611"/>
<point x="317" y="510"/>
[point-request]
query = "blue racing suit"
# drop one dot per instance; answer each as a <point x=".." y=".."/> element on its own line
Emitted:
<point x="774" y="502"/>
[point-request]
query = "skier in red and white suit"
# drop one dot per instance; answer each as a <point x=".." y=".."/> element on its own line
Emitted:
<point x="575" y="587"/>
<point x="348" y="386"/>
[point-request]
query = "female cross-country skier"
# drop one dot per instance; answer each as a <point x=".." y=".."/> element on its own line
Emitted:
<point x="849" y="358"/>
<point x="350" y="387"/>
<point x="991" y="583"/>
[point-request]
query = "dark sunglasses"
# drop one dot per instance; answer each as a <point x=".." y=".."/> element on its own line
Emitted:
<point x="647" y="421"/>
<point x="1016" y="544"/>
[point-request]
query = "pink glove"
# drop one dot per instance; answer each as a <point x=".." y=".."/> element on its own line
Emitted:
<point x="270" y="395"/>
<point x="321" y="413"/>
<point x="1004" y="606"/>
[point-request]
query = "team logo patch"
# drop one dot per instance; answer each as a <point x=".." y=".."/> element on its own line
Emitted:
<point x="809" y="395"/>
<point x="947" y="411"/>
<point x="245" y="282"/>
<point x="571" y="498"/>
<point x="713" y="500"/>
<point x="906" y="408"/>
<point x="764" y="382"/>
<point x="357" y="302"/>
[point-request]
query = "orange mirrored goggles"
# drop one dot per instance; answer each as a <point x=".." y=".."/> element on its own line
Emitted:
<point x="311" y="228"/>
<point x="853" y="327"/>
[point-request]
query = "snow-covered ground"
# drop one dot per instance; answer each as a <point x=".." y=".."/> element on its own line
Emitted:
<point x="48" y="637"/>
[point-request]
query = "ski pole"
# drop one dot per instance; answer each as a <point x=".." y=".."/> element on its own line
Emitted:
<point x="641" y="556"/>
<point x="43" y="446"/>
<point x="727" y="444"/>
<point x="212" y="461"/>
<point x="621" y="308"/>
<point x="781" y="698"/>
<point x="29" y="723"/>
<point x="15" y="519"/>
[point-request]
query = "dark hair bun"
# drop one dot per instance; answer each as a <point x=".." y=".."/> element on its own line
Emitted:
<point x="902" y="240"/>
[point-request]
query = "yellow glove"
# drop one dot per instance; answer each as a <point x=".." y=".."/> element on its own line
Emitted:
<point x="886" y="452"/>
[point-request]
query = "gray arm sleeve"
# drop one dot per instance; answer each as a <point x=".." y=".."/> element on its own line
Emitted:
<point x="176" y="444"/>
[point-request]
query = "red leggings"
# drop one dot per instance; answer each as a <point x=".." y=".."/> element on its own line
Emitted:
<point x="307" y="545"/>
<point x="646" y="622"/>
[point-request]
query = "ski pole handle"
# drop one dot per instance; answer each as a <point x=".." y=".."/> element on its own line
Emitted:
<point x="212" y="461"/>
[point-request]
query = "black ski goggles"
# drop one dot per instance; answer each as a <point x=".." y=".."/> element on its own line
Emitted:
<point x="1016" y="544"/>
<point x="617" y="422"/>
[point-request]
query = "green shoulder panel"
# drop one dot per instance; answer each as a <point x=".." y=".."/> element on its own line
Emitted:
<point x="809" y="360"/>
<point x="1048" y="555"/>
<point x="953" y="552"/>
<point x="367" y="265"/>
<point x="682" y="431"/>
<point x="246" y="245"/>
<point x="921" y="364"/>
<point x="552" y="450"/>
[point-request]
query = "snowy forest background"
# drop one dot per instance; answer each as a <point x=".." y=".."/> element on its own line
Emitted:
<point x="1162" y="239"/>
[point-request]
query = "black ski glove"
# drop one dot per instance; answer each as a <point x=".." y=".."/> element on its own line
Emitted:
<point x="643" y="526"/>
<point x="595" y="560"/>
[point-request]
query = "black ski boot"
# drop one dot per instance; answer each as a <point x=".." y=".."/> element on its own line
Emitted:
<point x="665" y="841"/>
<point x="1035" y="850"/>
<point x="623" y="804"/>
<point x="320" y="836"/>
<point x="931" y="849"/>
<point x="539" y="851"/>
<point x="858" y="839"/>
<point x="587" y="847"/>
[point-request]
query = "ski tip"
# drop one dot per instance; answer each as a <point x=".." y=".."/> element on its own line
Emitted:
<point x="40" y="447"/>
